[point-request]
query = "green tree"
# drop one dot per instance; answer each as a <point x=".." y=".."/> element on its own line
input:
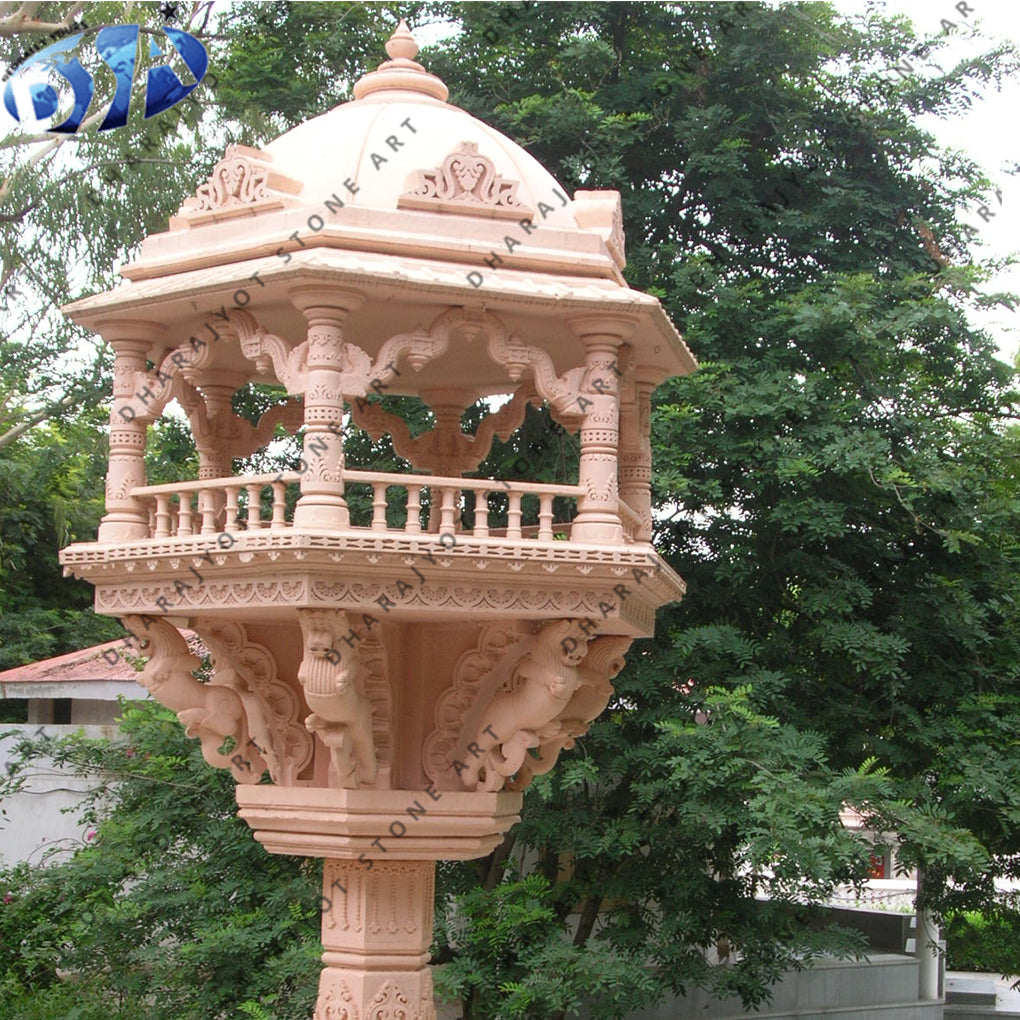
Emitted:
<point x="172" y="910"/>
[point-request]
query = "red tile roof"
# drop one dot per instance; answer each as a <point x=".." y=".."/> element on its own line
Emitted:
<point x="89" y="664"/>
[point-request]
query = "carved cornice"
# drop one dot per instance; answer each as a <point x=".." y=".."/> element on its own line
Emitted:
<point x="466" y="183"/>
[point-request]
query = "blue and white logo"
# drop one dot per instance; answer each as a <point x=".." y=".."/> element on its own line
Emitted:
<point x="117" y="46"/>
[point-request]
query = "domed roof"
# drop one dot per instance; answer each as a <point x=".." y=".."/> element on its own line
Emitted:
<point x="398" y="125"/>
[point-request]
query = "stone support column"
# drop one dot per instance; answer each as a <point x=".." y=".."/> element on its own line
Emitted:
<point x="636" y="456"/>
<point x="127" y="518"/>
<point x="322" y="503"/>
<point x="598" y="516"/>
<point x="376" y="933"/>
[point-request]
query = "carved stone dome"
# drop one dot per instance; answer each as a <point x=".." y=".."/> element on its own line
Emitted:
<point x="399" y="127"/>
<point x="399" y="171"/>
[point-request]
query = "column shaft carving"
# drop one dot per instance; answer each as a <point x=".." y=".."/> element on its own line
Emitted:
<point x="598" y="515"/>
<point x="322" y="503"/>
<point x="126" y="517"/>
<point x="636" y="456"/>
<point x="377" y="921"/>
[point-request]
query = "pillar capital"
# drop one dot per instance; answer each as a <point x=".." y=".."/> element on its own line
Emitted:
<point x="328" y="303"/>
<point x="607" y="327"/>
<point x="130" y="334"/>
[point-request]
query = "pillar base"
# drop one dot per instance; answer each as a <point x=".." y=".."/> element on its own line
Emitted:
<point x="342" y="997"/>
<point x="376" y="930"/>
<point x="598" y="531"/>
<point x="322" y="513"/>
<point x="378" y="881"/>
<point x="125" y="528"/>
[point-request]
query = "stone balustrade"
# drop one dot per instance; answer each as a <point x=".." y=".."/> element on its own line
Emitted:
<point x="427" y="504"/>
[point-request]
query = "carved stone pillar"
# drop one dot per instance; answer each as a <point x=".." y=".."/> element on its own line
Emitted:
<point x="214" y="460"/>
<point x="598" y="515"/>
<point x="636" y="456"/>
<point x="322" y="503"/>
<point x="127" y="518"/>
<point x="376" y="933"/>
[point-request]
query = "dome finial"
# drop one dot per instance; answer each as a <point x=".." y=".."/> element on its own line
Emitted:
<point x="401" y="72"/>
<point x="402" y="44"/>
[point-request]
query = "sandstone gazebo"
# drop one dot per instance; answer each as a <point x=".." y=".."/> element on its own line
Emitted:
<point x="401" y="670"/>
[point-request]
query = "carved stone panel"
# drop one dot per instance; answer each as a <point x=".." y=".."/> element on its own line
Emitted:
<point x="241" y="183"/>
<point x="465" y="182"/>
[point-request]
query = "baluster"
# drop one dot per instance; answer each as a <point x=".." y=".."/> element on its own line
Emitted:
<point x="378" y="506"/>
<point x="432" y="516"/>
<point x="207" y="505"/>
<point x="152" y="520"/>
<point x="413" y="525"/>
<point x="481" y="514"/>
<point x="184" y="514"/>
<point x="254" y="506"/>
<point x="447" y="512"/>
<point x="545" y="516"/>
<point x="513" y="520"/>
<point x="162" y="517"/>
<point x="230" y="524"/>
<point x="279" y="506"/>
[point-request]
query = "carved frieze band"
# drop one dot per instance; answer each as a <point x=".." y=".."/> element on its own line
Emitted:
<point x="128" y="598"/>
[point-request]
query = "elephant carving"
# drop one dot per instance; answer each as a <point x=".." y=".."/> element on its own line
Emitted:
<point x="212" y="712"/>
<point x="523" y="715"/>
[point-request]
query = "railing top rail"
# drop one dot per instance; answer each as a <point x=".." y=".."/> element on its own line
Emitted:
<point x="475" y="484"/>
<point x="628" y="514"/>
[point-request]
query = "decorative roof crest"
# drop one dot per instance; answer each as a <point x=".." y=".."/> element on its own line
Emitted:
<point x="466" y="182"/>
<point x="241" y="183"/>
<point x="401" y="71"/>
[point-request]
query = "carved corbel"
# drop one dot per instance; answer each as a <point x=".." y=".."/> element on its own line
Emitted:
<point x="270" y="352"/>
<point x="228" y="435"/>
<point x="523" y="714"/>
<point x="272" y="708"/>
<point x="603" y="662"/>
<point x="211" y="711"/>
<point x="155" y="389"/>
<point x="333" y="678"/>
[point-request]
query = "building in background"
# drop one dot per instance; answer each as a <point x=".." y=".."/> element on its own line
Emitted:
<point x="56" y="697"/>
